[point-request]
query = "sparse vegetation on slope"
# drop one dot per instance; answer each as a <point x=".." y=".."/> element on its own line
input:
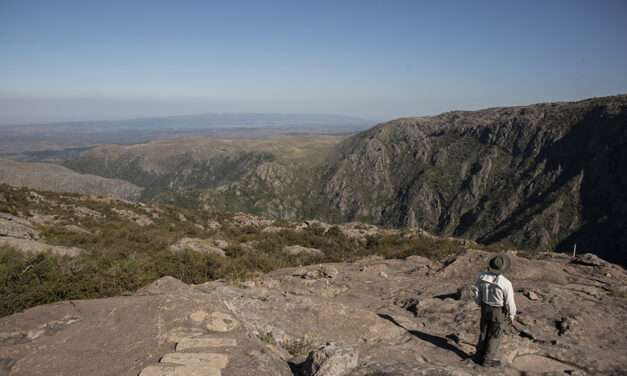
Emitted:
<point x="544" y="176"/>
<point x="541" y="176"/>
<point x="127" y="245"/>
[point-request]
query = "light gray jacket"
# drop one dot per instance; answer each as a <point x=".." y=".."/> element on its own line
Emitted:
<point x="495" y="290"/>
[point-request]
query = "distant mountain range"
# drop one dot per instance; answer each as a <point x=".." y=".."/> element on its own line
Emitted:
<point x="212" y="120"/>
<point x="545" y="176"/>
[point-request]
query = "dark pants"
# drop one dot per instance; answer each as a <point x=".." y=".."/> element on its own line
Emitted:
<point x="492" y="322"/>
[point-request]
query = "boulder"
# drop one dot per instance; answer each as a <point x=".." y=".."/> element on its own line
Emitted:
<point x="244" y="219"/>
<point x="297" y="250"/>
<point x="321" y="272"/>
<point x="564" y="325"/>
<point x="208" y="246"/>
<point x="84" y="212"/>
<point x="213" y="225"/>
<point x="273" y="229"/>
<point x="36" y="247"/>
<point x="220" y="243"/>
<point x="589" y="259"/>
<point x="164" y="285"/>
<point x="531" y="295"/>
<point x="409" y="304"/>
<point x="16" y="227"/>
<point x="140" y="219"/>
<point x="331" y="360"/>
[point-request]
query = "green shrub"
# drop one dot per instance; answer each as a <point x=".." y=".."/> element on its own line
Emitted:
<point x="120" y="256"/>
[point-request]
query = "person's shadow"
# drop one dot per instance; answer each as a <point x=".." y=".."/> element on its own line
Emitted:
<point x="441" y="342"/>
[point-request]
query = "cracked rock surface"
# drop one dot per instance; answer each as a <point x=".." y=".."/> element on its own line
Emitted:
<point x="381" y="317"/>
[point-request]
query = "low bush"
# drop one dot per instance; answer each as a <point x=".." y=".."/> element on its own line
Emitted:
<point x="121" y="256"/>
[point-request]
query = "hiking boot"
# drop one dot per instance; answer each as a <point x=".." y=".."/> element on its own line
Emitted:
<point x="491" y="363"/>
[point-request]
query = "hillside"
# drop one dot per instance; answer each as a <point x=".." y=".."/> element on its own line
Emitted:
<point x="66" y="246"/>
<point x="268" y="176"/>
<point x="158" y="290"/>
<point x="542" y="176"/>
<point x="56" y="178"/>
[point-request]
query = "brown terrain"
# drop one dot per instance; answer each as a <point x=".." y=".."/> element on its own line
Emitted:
<point x="51" y="177"/>
<point x="371" y="317"/>
<point x="545" y="176"/>
<point x="237" y="278"/>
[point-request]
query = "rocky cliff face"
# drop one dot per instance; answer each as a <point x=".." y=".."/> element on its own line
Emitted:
<point x="545" y="176"/>
<point x="540" y="176"/>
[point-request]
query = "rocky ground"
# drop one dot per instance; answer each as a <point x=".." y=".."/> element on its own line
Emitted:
<point x="381" y="317"/>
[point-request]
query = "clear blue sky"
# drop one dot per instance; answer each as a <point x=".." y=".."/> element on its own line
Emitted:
<point x="69" y="60"/>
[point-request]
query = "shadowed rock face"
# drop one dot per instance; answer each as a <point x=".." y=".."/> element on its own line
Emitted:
<point x="267" y="326"/>
<point x="540" y="176"/>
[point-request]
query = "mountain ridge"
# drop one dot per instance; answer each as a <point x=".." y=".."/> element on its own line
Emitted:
<point x="414" y="169"/>
<point x="544" y="176"/>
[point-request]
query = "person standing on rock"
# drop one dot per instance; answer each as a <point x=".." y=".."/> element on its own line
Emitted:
<point x="495" y="294"/>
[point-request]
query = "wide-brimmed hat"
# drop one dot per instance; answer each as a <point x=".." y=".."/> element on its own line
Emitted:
<point x="499" y="264"/>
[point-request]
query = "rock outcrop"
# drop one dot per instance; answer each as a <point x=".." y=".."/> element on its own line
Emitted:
<point x="299" y="250"/>
<point x="268" y="325"/>
<point x="16" y="227"/>
<point x="34" y="246"/>
<point x="20" y="234"/>
<point x="208" y="246"/>
<point x="331" y="360"/>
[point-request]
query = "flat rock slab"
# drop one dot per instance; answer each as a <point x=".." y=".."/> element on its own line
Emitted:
<point x="221" y="322"/>
<point x="163" y="370"/>
<point x="207" y="360"/>
<point x="204" y="342"/>
<point x="179" y="333"/>
<point x="36" y="247"/>
<point x="542" y="364"/>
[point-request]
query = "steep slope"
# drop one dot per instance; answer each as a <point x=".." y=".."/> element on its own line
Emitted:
<point x="263" y="176"/>
<point x="540" y="176"/>
<point x="60" y="179"/>
<point x="545" y="176"/>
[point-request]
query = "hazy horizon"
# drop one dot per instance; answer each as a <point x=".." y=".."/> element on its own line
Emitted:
<point x="156" y="110"/>
<point x="77" y="61"/>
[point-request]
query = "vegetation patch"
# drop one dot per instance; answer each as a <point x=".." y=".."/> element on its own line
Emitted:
<point x="122" y="254"/>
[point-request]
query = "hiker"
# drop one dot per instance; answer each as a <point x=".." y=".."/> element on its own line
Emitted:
<point x="495" y="294"/>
